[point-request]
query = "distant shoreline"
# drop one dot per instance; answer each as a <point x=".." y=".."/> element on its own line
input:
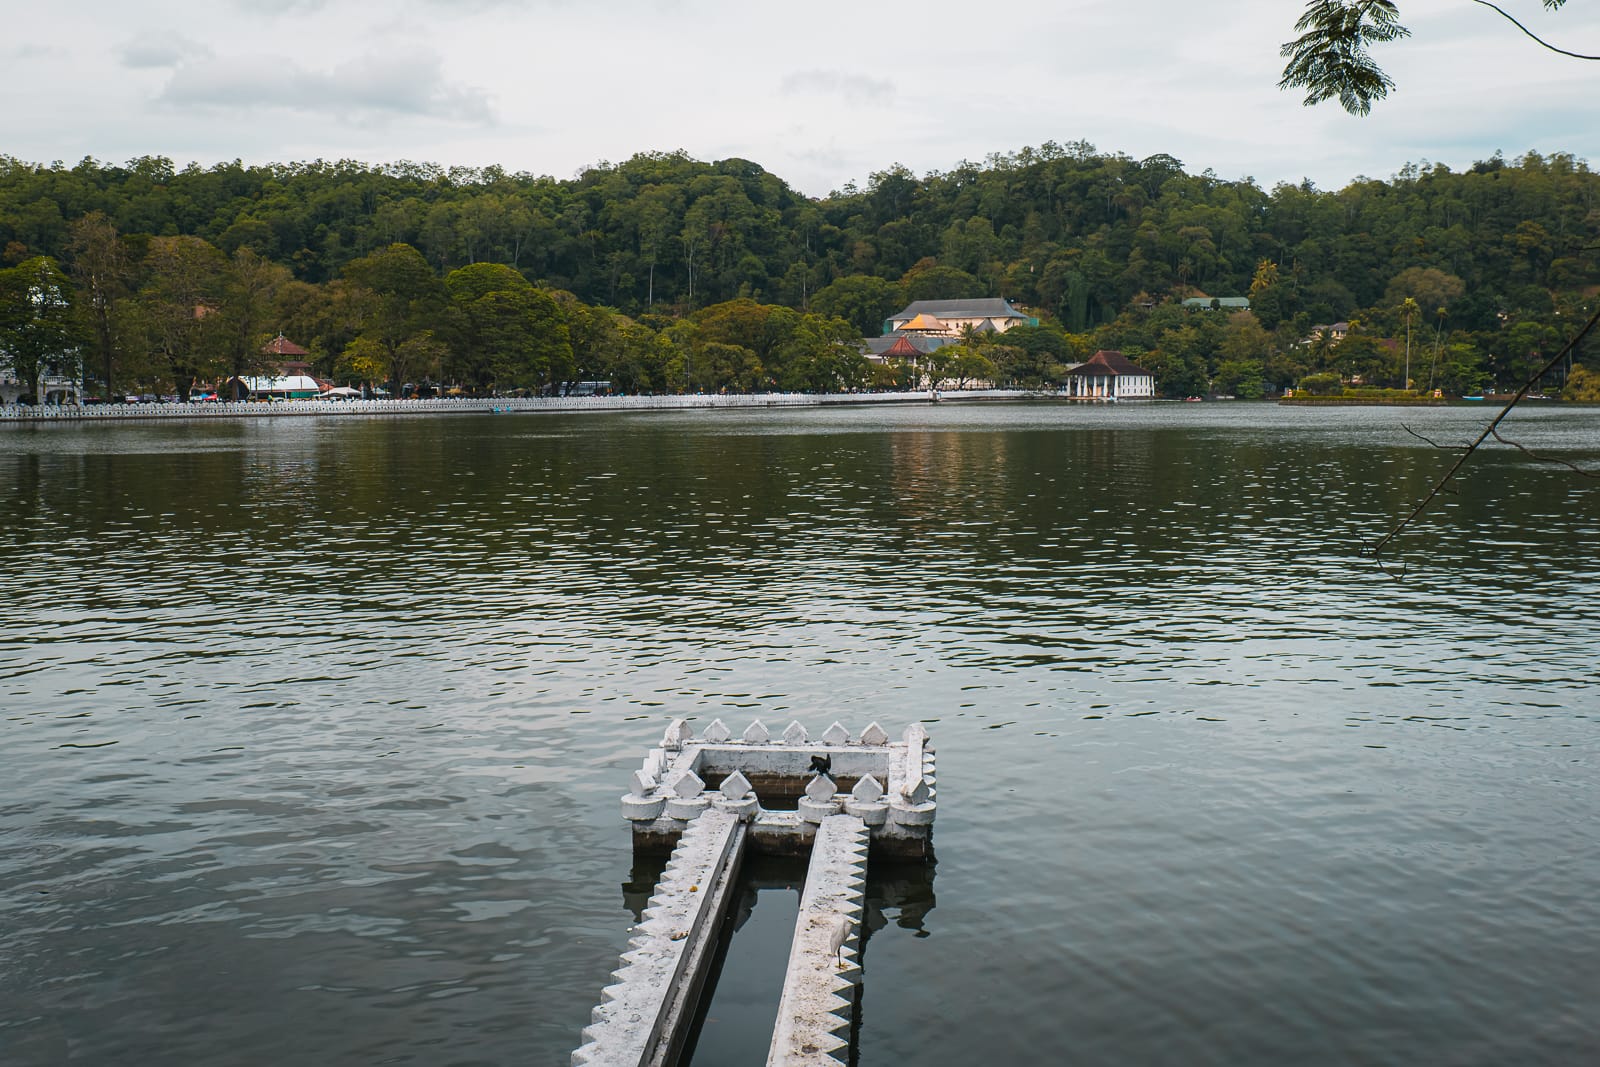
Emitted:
<point x="16" y="414"/>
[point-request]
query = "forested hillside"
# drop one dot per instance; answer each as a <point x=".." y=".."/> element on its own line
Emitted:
<point x="621" y="270"/>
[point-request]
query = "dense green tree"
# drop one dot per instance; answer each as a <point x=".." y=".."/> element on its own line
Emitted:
<point x="247" y="316"/>
<point x="178" y="304"/>
<point x="397" y="341"/>
<point x="101" y="267"/>
<point x="862" y="300"/>
<point x="933" y="281"/>
<point x="40" y="328"/>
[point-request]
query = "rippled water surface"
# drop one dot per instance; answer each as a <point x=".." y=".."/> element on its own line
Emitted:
<point x="314" y="729"/>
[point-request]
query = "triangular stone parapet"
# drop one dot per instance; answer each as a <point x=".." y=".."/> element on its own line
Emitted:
<point x="678" y="734"/>
<point x="868" y="789"/>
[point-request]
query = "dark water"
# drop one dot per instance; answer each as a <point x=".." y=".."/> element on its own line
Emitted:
<point x="313" y="731"/>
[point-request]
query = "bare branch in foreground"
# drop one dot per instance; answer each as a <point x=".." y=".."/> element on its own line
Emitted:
<point x="1431" y="441"/>
<point x="1531" y="454"/>
<point x="1535" y="36"/>
<point x="1532" y="380"/>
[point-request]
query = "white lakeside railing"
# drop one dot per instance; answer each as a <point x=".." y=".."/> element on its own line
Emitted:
<point x="501" y="405"/>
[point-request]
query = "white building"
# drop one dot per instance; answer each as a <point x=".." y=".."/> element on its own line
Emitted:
<point x="1110" y="375"/>
<point x="949" y="317"/>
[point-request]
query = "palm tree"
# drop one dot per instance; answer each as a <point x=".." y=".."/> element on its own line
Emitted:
<point x="1438" y="334"/>
<point x="1409" y="308"/>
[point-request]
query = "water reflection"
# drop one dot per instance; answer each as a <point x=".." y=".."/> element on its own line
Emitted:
<point x="313" y="734"/>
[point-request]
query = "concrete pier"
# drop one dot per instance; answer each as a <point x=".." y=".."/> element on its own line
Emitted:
<point x="643" y="1015"/>
<point x="891" y="785"/>
<point x="709" y="799"/>
<point x="818" y="1005"/>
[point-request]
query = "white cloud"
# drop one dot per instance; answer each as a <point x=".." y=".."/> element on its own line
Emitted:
<point x="156" y="50"/>
<point x="399" y="83"/>
<point x="855" y="88"/>
<point x="820" y="97"/>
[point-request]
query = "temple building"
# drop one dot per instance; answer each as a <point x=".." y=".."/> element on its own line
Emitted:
<point x="1109" y="375"/>
<point x="950" y="317"/>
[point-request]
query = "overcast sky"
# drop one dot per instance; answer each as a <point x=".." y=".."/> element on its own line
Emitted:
<point x="820" y="93"/>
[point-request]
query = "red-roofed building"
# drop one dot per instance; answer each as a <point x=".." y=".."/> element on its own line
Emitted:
<point x="292" y="359"/>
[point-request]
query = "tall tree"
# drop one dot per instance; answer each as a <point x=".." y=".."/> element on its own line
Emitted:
<point x="39" y="327"/>
<point x="181" y="293"/>
<point x="245" y="321"/>
<point x="397" y="342"/>
<point x="100" y="266"/>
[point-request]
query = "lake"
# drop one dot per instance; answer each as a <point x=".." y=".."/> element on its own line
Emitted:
<point x="314" y="729"/>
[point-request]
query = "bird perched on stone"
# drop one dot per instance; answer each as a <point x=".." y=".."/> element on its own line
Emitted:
<point x="822" y="765"/>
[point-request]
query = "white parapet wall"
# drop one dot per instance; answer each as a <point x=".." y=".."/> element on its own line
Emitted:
<point x="487" y="405"/>
<point x="891" y="786"/>
<point x="818" y="1005"/>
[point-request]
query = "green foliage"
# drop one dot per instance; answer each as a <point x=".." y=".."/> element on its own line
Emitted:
<point x="1243" y="378"/>
<point x="862" y="300"/>
<point x="1583" y="386"/>
<point x="1330" y="56"/>
<point x="1097" y="245"/>
<point x="40" y="329"/>
<point x="1321" y="384"/>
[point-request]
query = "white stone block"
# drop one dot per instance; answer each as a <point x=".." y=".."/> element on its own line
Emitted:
<point x="916" y="732"/>
<point x="821" y="787"/>
<point x="836" y="735"/>
<point x="686" y="808"/>
<point x="795" y="734"/>
<point x="917" y="792"/>
<point x="914" y="815"/>
<point x="871" y="812"/>
<point x="717" y="732"/>
<point x="677" y="735"/>
<point x="868" y="789"/>
<point x="748" y="806"/>
<point x="642" y="809"/>
<point x="874" y="735"/>
<point x="641" y="784"/>
<point x="688" y="785"/>
<point x="815" y="811"/>
<point x="735" y="786"/>
<point x="756" y="734"/>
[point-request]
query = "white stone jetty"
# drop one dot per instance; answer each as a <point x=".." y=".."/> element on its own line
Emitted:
<point x="818" y="1002"/>
<point x="709" y="798"/>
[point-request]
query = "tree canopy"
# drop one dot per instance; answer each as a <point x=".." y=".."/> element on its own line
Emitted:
<point x="665" y="272"/>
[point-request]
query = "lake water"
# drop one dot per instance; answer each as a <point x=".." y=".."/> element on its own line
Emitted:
<point x="314" y="729"/>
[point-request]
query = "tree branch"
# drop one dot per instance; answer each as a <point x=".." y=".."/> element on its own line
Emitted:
<point x="1594" y="320"/>
<point x="1531" y="454"/>
<point x="1535" y="36"/>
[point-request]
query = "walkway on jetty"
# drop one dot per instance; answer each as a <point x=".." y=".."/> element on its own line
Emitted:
<point x="706" y="799"/>
<point x="471" y="406"/>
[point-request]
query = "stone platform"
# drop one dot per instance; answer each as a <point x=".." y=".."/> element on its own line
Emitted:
<point x="708" y="799"/>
